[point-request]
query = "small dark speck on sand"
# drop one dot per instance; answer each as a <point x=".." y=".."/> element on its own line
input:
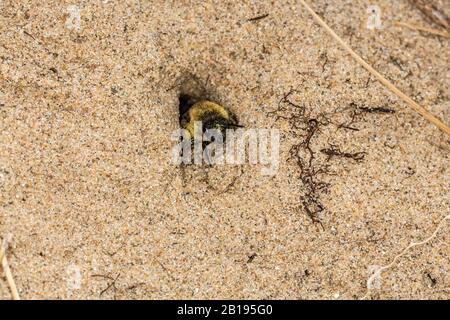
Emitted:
<point x="258" y="17"/>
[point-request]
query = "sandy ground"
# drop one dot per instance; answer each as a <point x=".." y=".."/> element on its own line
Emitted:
<point x="95" y="209"/>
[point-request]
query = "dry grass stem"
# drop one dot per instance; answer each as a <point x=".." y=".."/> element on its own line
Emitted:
<point x="7" y="270"/>
<point x="414" y="105"/>
<point x="415" y="27"/>
<point x="432" y="13"/>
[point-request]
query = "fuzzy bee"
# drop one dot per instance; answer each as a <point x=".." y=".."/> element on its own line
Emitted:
<point x="212" y="116"/>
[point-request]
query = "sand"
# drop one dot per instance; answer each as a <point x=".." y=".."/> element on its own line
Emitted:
<point x="96" y="210"/>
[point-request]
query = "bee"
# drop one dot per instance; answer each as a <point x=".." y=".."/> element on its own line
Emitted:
<point x="212" y="116"/>
<point x="195" y="107"/>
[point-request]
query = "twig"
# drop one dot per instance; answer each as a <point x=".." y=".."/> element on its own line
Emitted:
<point x="165" y="269"/>
<point x="411" y="26"/>
<point x="8" y="274"/>
<point x="414" y="105"/>
<point x="111" y="285"/>
<point x="258" y="17"/>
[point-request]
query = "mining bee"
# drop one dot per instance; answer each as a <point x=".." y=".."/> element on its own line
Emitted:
<point x="212" y="115"/>
<point x="197" y="104"/>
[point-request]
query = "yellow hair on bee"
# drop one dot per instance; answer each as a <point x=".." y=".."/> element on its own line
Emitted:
<point x="205" y="111"/>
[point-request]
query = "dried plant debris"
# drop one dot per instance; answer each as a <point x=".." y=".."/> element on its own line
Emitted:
<point x="260" y="17"/>
<point x="312" y="152"/>
<point x="334" y="151"/>
<point x="356" y="114"/>
<point x="376" y="110"/>
<point x="432" y="12"/>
